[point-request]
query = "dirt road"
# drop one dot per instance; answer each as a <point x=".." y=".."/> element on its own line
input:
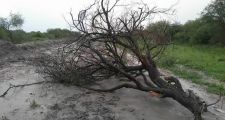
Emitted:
<point x="59" y="102"/>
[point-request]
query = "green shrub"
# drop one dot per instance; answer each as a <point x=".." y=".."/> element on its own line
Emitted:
<point x="37" y="34"/>
<point x="181" y="37"/>
<point x="58" y="33"/>
<point x="4" y="34"/>
<point x="19" y="36"/>
<point x="34" y="104"/>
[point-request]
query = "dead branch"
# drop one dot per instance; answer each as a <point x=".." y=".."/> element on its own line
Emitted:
<point x="125" y="85"/>
<point x="112" y="45"/>
<point x="11" y="86"/>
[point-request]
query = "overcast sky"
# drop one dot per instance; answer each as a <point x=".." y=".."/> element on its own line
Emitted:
<point x="40" y="15"/>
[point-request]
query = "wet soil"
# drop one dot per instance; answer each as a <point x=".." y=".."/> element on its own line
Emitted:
<point x="63" y="102"/>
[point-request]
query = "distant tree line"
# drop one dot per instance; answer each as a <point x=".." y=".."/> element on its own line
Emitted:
<point x="56" y="33"/>
<point x="20" y="36"/>
<point x="10" y="29"/>
<point x="209" y="28"/>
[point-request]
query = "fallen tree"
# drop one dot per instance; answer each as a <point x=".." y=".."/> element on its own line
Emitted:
<point x="112" y="45"/>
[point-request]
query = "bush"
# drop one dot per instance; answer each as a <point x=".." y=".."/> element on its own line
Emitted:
<point x="4" y="34"/>
<point x="202" y="35"/>
<point x="59" y="33"/>
<point x="19" y="36"/>
<point x="37" y="34"/>
<point x="181" y="37"/>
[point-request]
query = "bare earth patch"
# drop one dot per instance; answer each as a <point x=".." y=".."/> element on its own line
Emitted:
<point x="61" y="102"/>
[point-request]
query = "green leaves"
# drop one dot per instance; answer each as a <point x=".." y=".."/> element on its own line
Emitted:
<point x="14" y="21"/>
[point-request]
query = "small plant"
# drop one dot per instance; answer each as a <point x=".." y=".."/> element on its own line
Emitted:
<point x="34" y="104"/>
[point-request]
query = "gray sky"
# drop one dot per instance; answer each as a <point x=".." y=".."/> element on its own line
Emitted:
<point x="40" y="15"/>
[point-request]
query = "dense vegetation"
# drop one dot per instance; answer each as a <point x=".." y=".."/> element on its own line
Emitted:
<point x="198" y="45"/>
<point x="20" y="36"/>
<point x="209" y="28"/>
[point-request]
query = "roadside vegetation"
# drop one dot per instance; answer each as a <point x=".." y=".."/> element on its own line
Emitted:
<point x="10" y="29"/>
<point x="20" y="36"/>
<point x="202" y="64"/>
<point x="197" y="52"/>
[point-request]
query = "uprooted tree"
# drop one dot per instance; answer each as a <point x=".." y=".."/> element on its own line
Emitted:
<point x="112" y="45"/>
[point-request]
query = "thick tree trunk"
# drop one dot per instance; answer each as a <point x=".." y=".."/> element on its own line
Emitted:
<point x="175" y="91"/>
<point x="190" y="101"/>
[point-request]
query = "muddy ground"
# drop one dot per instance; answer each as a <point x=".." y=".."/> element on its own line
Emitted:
<point x="62" y="102"/>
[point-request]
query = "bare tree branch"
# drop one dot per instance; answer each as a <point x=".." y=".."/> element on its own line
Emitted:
<point x="11" y="86"/>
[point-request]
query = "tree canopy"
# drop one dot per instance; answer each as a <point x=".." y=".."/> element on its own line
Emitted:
<point x="12" y="22"/>
<point x="215" y="12"/>
<point x="207" y="29"/>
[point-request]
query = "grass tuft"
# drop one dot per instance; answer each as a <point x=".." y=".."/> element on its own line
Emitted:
<point x="34" y="104"/>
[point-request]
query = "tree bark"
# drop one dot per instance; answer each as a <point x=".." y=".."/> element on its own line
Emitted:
<point x="187" y="99"/>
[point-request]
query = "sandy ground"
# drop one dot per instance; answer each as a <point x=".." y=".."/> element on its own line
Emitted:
<point x="60" y="102"/>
